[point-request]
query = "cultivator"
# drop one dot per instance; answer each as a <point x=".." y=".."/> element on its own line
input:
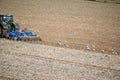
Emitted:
<point x="10" y="30"/>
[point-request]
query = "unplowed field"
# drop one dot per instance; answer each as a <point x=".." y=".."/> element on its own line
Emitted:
<point x="24" y="61"/>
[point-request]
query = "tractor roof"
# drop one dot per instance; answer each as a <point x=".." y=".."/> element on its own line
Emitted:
<point x="2" y="15"/>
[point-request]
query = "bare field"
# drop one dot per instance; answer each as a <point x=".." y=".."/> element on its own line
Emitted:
<point x="24" y="61"/>
<point x="74" y="24"/>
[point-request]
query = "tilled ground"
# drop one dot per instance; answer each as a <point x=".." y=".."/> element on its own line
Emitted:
<point x="74" y="24"/>
<point x="40" y="62"/>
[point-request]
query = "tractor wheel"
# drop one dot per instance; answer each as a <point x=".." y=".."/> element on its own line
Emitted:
<point x="3" y="31"/>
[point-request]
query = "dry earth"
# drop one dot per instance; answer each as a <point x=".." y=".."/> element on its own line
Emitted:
<point x="74" y="24"/>
<point x="24" y="61"/>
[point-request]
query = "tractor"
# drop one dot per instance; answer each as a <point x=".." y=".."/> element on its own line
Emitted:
<point x="9" y="29"/>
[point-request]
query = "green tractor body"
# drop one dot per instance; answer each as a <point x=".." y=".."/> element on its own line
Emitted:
<point x="7" y="25"/>
<point x="9" y="29"/>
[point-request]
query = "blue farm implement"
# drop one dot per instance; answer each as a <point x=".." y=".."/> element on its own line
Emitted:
<point x="10" y="30"/>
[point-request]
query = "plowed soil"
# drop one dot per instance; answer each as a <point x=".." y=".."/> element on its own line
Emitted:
<point x="74" y="24"/>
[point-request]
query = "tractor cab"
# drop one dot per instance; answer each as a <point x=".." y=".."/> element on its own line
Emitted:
<point x="7" y="24"/>
<point x="6" y="18"/>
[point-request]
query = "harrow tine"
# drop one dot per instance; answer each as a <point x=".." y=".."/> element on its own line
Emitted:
<point x="31" y="38"/>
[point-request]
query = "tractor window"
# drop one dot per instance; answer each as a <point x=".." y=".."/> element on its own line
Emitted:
<point x="8" y="19"/>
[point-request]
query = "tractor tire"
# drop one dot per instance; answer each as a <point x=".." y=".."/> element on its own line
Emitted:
<point x="16" y="26"/>
<point x="3" y="30"/>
